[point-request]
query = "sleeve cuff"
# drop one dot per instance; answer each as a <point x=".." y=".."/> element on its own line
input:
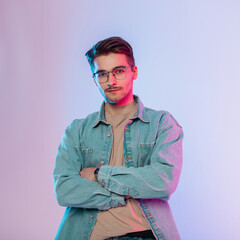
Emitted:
<point x="117" y="200"/>
<point x="104" y="175"/>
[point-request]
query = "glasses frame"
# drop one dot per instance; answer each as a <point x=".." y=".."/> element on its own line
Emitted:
<point x="111" y="72"/>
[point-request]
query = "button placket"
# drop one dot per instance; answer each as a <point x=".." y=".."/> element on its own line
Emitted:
<point x="127" y="145"/>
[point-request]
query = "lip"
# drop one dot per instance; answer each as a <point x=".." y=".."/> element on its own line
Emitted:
<point x="113" y="90"/>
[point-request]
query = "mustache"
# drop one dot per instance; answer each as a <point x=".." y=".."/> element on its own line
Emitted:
<point x="112" y="88"/>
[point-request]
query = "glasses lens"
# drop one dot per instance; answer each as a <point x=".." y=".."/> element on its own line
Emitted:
<point x="119" y="73"/>
<point x="101" y="77"/>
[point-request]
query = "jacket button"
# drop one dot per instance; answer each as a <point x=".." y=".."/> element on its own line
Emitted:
<point x="108" y="134"/>
<point x="101" y="163"/>
<point x="91" y="216"/>
<point x="103" y="183"/>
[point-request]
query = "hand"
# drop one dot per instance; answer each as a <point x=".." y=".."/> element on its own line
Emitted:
<point x="88" y="173"/>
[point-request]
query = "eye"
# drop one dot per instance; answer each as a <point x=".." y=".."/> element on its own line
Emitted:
<point x="119" y="71"/>
<point x="102" y="75"/>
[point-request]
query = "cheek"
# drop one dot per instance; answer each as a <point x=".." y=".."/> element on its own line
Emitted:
<point x="129" y="84"/>
<point x="101" y="90"/>
<point x="101" y="86"/>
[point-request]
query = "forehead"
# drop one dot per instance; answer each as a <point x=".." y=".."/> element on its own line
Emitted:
<point x="110" y="61"/>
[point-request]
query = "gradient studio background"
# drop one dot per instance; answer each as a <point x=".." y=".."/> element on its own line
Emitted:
<point x="188" y="55"/>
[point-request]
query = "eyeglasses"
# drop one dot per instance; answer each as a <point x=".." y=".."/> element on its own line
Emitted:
<point x="119" y="73"/>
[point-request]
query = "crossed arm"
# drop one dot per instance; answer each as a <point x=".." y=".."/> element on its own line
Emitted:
<point x="77" y="186"/>
<point x="74" y="190"/>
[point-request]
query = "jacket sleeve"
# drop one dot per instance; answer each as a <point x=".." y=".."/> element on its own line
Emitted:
<point x="159" y="179"/>
<point x="74" y="191"/>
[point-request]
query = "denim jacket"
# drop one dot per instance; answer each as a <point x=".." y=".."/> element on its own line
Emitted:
<point x="153" y="162"/>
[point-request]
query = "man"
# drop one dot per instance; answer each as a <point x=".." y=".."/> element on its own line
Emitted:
<point x="116" y="169"/>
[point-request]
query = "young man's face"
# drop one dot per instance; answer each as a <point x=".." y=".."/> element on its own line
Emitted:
<point x="115" y="91"/>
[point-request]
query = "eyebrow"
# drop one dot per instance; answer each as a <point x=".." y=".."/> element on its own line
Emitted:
<point x="121" y="66"/>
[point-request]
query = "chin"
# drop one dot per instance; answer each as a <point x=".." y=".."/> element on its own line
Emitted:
<point x="112" y="101"/>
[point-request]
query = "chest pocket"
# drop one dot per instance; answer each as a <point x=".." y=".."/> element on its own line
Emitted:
<point x="145" y="152"/>
<point x="86" y="156"/>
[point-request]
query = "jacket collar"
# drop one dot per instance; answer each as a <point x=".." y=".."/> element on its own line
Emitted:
<point x="141" y="113"/>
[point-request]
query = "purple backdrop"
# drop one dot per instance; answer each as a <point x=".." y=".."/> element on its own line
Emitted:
<point x="188" y="56"/>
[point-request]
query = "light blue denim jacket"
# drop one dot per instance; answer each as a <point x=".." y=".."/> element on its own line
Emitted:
<point x="153" y="162"/>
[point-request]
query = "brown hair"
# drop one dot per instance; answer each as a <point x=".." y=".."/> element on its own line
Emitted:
<point x="110" y="45"/>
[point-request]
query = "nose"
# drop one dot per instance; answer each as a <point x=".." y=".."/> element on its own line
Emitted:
<point x="111" y="80"/>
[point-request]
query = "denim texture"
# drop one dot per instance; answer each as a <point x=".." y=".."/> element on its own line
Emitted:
<point x="130" y="238"/>
<point x="153" y="162"/>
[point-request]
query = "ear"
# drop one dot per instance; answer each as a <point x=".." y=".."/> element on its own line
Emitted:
<point x="135" y="72"/>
